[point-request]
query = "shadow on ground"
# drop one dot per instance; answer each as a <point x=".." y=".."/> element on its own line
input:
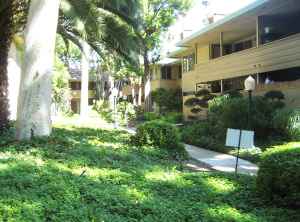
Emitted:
<point x="84" y="174"/>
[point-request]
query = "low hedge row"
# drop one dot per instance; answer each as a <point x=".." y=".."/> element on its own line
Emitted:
<point x="278" y="177"/>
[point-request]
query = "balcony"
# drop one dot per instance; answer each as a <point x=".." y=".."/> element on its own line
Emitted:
<point x="277" y="55"/>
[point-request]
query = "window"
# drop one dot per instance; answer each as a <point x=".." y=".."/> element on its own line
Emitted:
<point x="215" y="51"/>
<point x="166" y="72"/>
<point x="188" y="63"/>
<point x="75" y="85"/>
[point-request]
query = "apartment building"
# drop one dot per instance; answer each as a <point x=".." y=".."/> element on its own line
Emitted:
<point x="262" y="40"/>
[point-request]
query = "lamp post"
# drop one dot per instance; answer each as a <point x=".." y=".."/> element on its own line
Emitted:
<point x="250" y="87"/>
<point x="125" y="114"/>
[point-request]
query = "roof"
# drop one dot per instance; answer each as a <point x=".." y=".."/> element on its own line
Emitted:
<point x="223" y="21"/>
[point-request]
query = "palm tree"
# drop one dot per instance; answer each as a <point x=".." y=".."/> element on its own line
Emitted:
<point x="97" y="22"/>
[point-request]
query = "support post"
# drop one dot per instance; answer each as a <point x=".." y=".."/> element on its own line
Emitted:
<point x="222" y="86"/>
<point x="238" y="154"/>
<point x="221" y="44"/>
<point x="257" y="32"/>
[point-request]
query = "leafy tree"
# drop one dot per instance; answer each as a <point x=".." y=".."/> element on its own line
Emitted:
<point x="155" y="18"/>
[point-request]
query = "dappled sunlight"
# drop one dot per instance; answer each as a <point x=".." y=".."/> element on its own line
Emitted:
<point x="228" y="213"/>
<point x="94" y="173"/>
<point x="220" y="185"/>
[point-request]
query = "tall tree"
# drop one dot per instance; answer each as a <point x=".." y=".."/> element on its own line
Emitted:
<point x="11" y="16"/>
<point x="155" y="18"/>
<point x="35" y="91"/>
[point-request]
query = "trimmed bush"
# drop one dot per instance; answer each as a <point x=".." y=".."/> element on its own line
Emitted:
<point x="160" y="134"/>
<point x="149" y="116"/>
<point x="173" y="117"/>
<point x="279" y="176"/>
<point x="286" y="122"/>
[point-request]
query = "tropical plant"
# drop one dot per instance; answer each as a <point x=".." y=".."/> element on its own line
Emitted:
<point x="81" y="22"/>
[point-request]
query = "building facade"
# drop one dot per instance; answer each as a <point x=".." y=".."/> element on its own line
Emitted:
<point x="262" y="40"/>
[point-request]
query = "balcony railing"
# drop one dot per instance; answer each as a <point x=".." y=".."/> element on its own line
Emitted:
<point x="277" y="55"/>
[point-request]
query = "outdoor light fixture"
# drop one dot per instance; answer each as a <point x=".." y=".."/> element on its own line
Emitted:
<point x="249" y="86"/>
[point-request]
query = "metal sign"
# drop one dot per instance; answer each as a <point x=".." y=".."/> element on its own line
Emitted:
<point x="239" y="139"/>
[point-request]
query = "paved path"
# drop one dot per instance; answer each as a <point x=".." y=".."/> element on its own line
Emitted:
<point x="217" y="161"/>
<point x="221" y="162"/>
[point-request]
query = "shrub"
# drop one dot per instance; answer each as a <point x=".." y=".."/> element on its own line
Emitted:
<point x="173" y="117"/>
<point x="279" y="176"/>
<point x="286" y="122"/>
<point x="103" y="108"/>
<point x="204" y="135"/>
<point x="168" y="100"/>
<point x="160" y="134"/>
<point x="274" y="94"/>
<point x="149" y="116"/>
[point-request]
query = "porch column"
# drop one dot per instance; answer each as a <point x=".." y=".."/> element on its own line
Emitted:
<point x="222" y="86"/>
<point x="221" y="43"/>
<point x="257" y="32"/>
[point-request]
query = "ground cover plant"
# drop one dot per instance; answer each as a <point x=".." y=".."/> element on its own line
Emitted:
<point x="93" y="174"/>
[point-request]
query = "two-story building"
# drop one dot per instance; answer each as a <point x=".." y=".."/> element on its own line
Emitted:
<point x="262" y="40"/>
<point x="75" y="85"/>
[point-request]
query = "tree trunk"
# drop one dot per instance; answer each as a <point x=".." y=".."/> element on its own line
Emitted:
<point x="84" y="97"/>
<point x="140" y="92"/>
<point x="133" y="94"/>
<point x="34" y="105"/>
<point x="6" y="18"/>
<point x="148" y="102"/>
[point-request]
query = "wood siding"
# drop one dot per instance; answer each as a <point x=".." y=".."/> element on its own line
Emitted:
<point x="280" y="54"/>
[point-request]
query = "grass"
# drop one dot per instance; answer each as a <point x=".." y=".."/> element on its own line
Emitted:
<point x="93" y="174"/>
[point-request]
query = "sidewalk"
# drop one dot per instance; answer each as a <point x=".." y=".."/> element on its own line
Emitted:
<point x="221" y="162"/>
<point x="217" y="161"/>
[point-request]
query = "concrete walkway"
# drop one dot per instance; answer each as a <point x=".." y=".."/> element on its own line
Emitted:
<point x="221" y="162"/>
<point x="217" y="161"/>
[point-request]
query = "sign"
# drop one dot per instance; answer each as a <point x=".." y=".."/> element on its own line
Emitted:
<point x="240" y="138"/>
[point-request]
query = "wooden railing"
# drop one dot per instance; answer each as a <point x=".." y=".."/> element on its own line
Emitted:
<point x="277" y="55"/>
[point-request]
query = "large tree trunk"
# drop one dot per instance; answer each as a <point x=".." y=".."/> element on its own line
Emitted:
<point x="148" y="102"/>
<point x="84" y="97"/>
<point x="6" y="21"/>
<point x="34" y="115"/>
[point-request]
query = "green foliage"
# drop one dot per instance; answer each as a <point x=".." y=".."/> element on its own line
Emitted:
<point x="168" y="100"/>
<point x="104" y="109"/>
<point x="230" y="112"/>
<point x="61" y="92"/>
<point x="160" y="134"/>
<point x="92" y="174"/>
<point x="286" y="122"/>
<point x="125" y="111"/>
<point x="203" y="134"/>
<point x="278" y="178"/>
<point x="172" y="117"/>
<point x="149" y="116"/>
<point x="274" y="94"/>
